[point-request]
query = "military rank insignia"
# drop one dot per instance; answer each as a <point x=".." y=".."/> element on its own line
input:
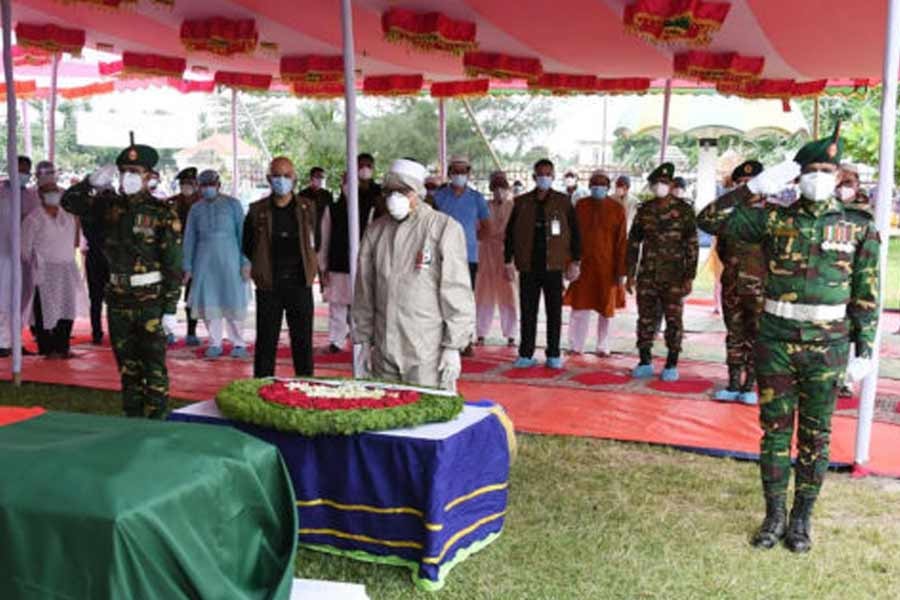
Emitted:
<point x="838" y="238"/>
<point x="143" y="225"/>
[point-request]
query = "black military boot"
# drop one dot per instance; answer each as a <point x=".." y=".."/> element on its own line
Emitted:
<point x="672" y="360"/>
<point x="748" y="395"/>
<point x="645" y="365"/>
<point x="773" y="526"/>
<point x="797" y="539"/>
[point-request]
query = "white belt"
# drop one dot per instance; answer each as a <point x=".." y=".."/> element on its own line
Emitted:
<point x="806" y="312"/>
<point x="144" y="279"/>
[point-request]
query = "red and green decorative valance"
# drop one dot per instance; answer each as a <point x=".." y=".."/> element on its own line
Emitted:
<point x="460" y="89"/>
<point x="86" y="91"/>
<point x="189" y="86"/>
<point x="152" y="65"/>
<point x="561" y="84"/>
<point x="393" y="85"/>
<point x="325" y="90"/>
<point x="23" y="89"/>
<point x="312" y="68"/>
<point x="623" y="85"/>
<point x="691" y="22"/>
<point x="248" y="82"/>
<point x="718" y="66"/>
<point x="221" y="36"/>
<point x="501" y="66"/>
<point x="30" y="57"/>
<point x="50" y="38"/>
<point x="430" y="32"/>
<point x="314" y="408"/>
<point x="113" y="4"/>
<point x="782" y="89"/>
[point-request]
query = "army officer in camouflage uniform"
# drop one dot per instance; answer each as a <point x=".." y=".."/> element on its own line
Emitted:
<point x="142" y="242"/>
<point x="821" y="294"/>
<point x="662" y="256"/>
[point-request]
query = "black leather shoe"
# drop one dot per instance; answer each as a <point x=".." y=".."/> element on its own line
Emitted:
<point x="773" y="526"/>
<point x="5" y="352"/>
<point x="797" y="539"/>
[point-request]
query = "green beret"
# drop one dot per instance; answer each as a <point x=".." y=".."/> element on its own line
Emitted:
<point x="825" y="150"/>
<point x="189" y="173"/>
<point x="749" y="168"/>
<point x="663" y="171"/>
<point x="138" y="155"/>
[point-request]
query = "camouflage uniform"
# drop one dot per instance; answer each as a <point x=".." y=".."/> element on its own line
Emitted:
<point x="142" y="236"/>
<point x="819" y="253"/>
<point x="662" y="256"/>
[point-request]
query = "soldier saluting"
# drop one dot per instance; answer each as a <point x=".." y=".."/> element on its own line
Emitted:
<point x="142" y="242"/>
<point x="820" y="295"/>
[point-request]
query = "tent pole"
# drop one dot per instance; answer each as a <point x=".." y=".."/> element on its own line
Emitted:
<point x="882" y="217"/>
<point x="603" y="138"/>
<point x="352" y="171"/>
<point x="442" y="136"/>
<point x="256" y="131"/>
<point x="481" y="134"/>
<point x="234" y="144"/>
<point x="26" y="128"/>
<point x="45" y="128"/>
<point x="12" y="163"/>
<point x="816" y="118"/>
<point x="54" y="77"/>
<point x="664" y="139"/>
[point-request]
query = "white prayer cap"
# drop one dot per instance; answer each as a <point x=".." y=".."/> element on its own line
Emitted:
<point x="406" y="173"/>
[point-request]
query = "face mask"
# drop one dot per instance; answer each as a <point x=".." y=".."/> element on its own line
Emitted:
<point x="599" y="192"/>
<point x="365" y="174"/>
<point x="846" y="193"/>
<point x="151" y="184"/>
<point x="571" y="181"/>
<point x="52" y="198"/>
<point x="517" y="190"/>
<point x="398" y="205"/>
<point x="543" y="182"/>
<point x="817" y="186"/>
<point x="132" y="183"/>
<point x="23" y="179"/>
<point x="785" y="197"/>
<point x="661" y="190"/>
<point x="209" y="192"/>
<point x="282" y="185"/>
<point x="187" y="189"/>
<point x="459" y="181"/>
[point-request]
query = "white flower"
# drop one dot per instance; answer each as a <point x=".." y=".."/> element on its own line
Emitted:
<point x="350" y="390"/>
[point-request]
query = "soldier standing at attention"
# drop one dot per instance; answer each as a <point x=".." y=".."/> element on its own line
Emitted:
<point x="188" y="195"/>
<point x="662" y="257"/>
<point x="821" y="294"/>
<point x="142" y="243"/>
<point x="743" y="278"/>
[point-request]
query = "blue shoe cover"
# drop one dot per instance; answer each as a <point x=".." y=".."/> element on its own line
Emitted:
<point x="214" y="352"/>
<point x="524" y="363"/>
<point x="239" y="352"/>
<point x="555" y="363"/>
<point x="192" y="340"/>
<point x="727" y="395"/>
<point x="642" y="372"/>
<point x="669" y="374"/>
<point x="750" y="398"/>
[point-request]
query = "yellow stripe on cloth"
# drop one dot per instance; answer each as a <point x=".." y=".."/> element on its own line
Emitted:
<point x="479" y="492"/>
<point x="361" y="538"/>
<point x="397" y="510"/>
<point x="433" y="560"/>
<point x="507" y="423"/>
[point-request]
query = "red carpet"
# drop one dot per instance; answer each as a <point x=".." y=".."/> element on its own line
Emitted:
<point x="682" y="386"/>
<point x="601" y="378"/>
<point x="14" y="414"/>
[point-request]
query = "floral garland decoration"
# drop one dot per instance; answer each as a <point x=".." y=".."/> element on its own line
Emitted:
<point x="246" y="401"/>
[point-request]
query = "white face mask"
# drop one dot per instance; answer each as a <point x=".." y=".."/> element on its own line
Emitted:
<point x="661" y="190"/>
<point x="680" y="193"/>
<point x="817" y="186"/>
<point x="543" y="182"/>
<point x="398" y="205"/>
<point x="365" y="174"/>
<point x="187" y="189"/>
<point x="151" y="185"/>
<point x="846" y="193"/>
<point x="52" y="198"/>
<point x="459" y="181"/>
<point x="132" y="183"/>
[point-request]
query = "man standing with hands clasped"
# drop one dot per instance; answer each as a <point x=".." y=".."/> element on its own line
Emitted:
<point x="821" y="294"/>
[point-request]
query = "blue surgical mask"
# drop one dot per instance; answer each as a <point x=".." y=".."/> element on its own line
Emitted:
<point x="599" y="192"/>
<point x="543" y="182"/>
<point x="209" y="192"/>
<point x="282" y="185"/>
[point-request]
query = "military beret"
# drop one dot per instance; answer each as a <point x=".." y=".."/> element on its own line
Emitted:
<point x="138" y="155"/>
<point x="188" y="173"/>
<point x="749" y="168"/>
<point x="679" y="182"/>
<point x="663" y="171"/>
<point x="825" y="150"/>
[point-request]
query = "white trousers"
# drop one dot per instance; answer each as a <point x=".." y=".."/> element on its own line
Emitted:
<point x="509" y="320"/>
<point x="215" y="328"/>
<point x="338" y="326"/>
<point x="579" y="321"/>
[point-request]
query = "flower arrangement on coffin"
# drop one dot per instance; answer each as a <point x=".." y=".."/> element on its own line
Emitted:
<point x="460" y="89"/>
<point x="312" y="68"/>
<point x="393" y="85"/>
<point x="501" y="66"/>
<point x="718" y="66"/>
<point x="220" y="36"/>
<point x="429" y="32"/>
<point x="691" y="22"/>
<point x="50" y="38"/>
<point x="311" y="407"/>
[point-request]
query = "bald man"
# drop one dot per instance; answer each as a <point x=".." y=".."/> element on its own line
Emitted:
<point x="279" y="240"/>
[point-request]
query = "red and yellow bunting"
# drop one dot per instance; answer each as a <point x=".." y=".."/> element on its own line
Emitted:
<point x="718" y="66"/>
<point x="248" y="82"/>
<point x="151" y="65"/>
<point x="221" y="36"/>
<point x="691" y="22"/>
<point x="393" y="85"/>
<point x="429" y="32"/>
<point x="501" y="66"/>
<point x="50" y="38"/>
<point x="312" y="68"/>
<point x="460" y="89"/>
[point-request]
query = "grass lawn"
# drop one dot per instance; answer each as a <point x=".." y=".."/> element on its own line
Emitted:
<point x="596" y="519"/>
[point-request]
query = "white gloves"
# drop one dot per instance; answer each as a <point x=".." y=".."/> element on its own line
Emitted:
<point x="362" y="361"/>
<point x="449" y="369"/>
<point x="573" y="272"/>
<point x="510" y="271"/>
<point x="103" y="177"/>
<point x="774" y="179"/>
<point x="169" y="322"/>
<point x="859" y="368"/>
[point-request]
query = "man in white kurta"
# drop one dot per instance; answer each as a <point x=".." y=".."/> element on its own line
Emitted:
<point x="413" y="307"/>
<point x="49" y="240"/>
